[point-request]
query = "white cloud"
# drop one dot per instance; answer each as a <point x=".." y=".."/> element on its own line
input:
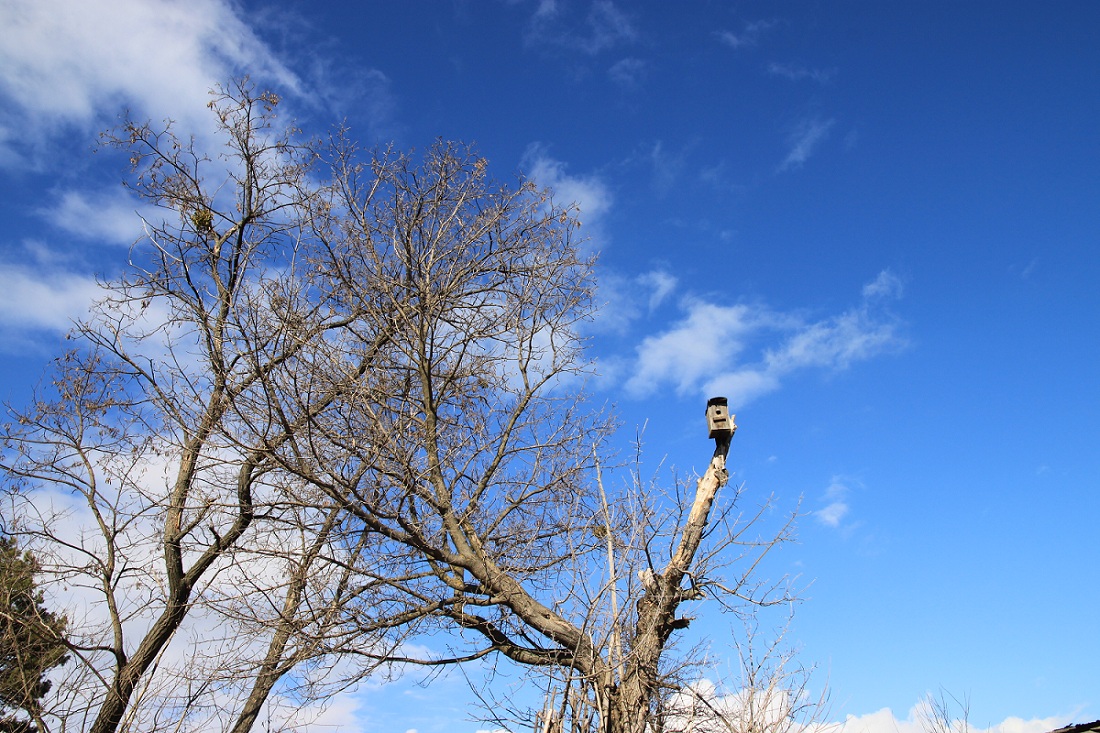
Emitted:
<point x="342" y="713"/>
<point x="546" y="9"/>
<point x="619" y="307"/>
<point x="365" y="94"/>
<point x="743" y="385"/>
<point x="110" y="216"/>
<point x="884" y="721"/>
<point x="624" y="300"/>
<point x="609" y="25"/>
<point x="836" y="342"/>
<point x="605" y="27"/>
<point x="703" y="351"/>
<point x="80" y="61"/>
<point x="886" y="285"/>
<point x="772" y="707"/>
<point x="703" y="343"/>
<point x="834" y="512"/>
<point x="661" y="285"/>
<point x="667" y="166"/>
<point x="628" y="73"/>
<point x="36" y="299"/>
<point x="748" y="36"/>
<point x="793" y="72"/>
<point x="804" y="140"/>
<point x="590" y="194"/>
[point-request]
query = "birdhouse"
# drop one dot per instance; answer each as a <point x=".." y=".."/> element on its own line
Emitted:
<point x="719" y="422"/>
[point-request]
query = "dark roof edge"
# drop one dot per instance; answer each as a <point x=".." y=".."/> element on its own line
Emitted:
<point x="1080" y="728"/>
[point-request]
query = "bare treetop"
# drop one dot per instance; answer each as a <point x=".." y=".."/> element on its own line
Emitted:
<point x="337" y="401"/>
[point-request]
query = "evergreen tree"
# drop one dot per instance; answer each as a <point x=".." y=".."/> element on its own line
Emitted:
<point x="31" y="641"/>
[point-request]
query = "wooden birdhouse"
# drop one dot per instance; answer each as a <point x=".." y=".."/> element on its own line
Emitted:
<point x="719" y="422"/>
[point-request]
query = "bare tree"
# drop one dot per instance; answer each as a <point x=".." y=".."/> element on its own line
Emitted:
<point x="475" y="461"/>
<point x="331" y="412"/>
<point x="158" y="426"/>
<point x="651" y="532"/>
<point x="324" y="610"/>
<point x="943" y="712"/>
<point x="770" y="692"/>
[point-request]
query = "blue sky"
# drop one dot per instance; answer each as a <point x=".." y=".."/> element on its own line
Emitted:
<point x="872" y="225"/>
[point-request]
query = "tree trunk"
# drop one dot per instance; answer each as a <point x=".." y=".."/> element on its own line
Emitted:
<point x="131" y="671"/>
<point x="630" y="705"/>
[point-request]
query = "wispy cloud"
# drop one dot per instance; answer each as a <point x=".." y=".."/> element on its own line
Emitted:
<point x="749" y="35"/>
<point x="794" y="72"/>
<point x="886" y="285"/>
<point x="699" y="346"/>
<point x="605" y="26"/>
<point x="660" y="284"/>
<point x="111" y="217"/>
<point x="628" y="73"/>
<point x="745" y="351"/>
<point x="836" y="507"/>
<point x="835" y="343"/>
<point x="803" y="140"/>
<point x="624" y="300"/>
<point x="74" y="62"/>
<point x="1029" y="268"/>
<point x="590" y="194"/>
<point x="667" y="166"/>
<point x="365" y="93"/>
<point x="37" y="299"/>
